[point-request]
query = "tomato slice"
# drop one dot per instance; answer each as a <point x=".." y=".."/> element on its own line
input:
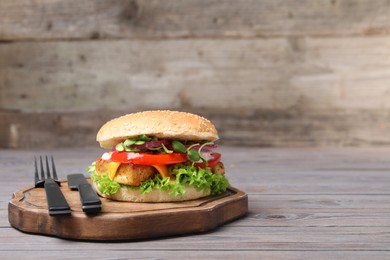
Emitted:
<point x="211" y="163"/>
<point x="160" y="159"/>
<point x="148" y="158"/>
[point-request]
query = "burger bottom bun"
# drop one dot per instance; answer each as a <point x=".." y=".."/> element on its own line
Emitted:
<point x="134" y="195"/>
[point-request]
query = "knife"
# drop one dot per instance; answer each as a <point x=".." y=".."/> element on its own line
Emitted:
<point x="90" y="201"/>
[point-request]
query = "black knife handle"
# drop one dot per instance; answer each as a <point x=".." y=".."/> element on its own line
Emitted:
<point x="90" y="201"/>
<point x="75" y="179"/>
<point x="56" y="201"/>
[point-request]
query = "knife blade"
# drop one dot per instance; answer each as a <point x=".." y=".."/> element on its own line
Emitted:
<point x="90" y="201"/>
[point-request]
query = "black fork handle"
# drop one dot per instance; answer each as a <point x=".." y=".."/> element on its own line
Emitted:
<point x="56" y="201"/>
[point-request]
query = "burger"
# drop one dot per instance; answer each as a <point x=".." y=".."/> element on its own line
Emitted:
<point x="158" y="156"/>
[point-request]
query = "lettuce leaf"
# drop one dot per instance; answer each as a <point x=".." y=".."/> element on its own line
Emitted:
<point x="201" y="179"/>
<point x="104" y="184"/>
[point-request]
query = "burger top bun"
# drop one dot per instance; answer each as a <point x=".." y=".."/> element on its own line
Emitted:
<point x="159" y="123"/>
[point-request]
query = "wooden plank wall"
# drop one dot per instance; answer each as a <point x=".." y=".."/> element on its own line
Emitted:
<point x="268" y="73"/>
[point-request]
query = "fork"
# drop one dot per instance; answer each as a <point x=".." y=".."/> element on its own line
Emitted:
<point x="56" y="201"/>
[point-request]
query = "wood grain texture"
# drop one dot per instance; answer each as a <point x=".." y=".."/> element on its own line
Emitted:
<point x="196" y="254"/>
<point x="28" y="212"/>
<point x="91" y="19"/>
<point x="238" y="239"/>
<point x="303" y="203"/>
<point x="296" y="75"/>
<point x="276" y="92"/>
<point x="268" y="73"/>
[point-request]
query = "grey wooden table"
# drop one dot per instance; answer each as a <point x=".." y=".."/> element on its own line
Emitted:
<point x="303" y="204"/>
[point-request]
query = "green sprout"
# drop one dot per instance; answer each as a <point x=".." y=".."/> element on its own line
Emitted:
<point x="177" y="146"/>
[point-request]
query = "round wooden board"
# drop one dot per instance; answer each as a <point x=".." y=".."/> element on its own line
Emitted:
<point x="27" y="211"/>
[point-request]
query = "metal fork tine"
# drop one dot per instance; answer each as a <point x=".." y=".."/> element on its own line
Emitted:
<point x="53" y="167"/>
<point x="47" y="168"/>
<point x="42" y="170"/>
<point x="55" y="177"/>
<point x="36" y="168"/>
<point x="36" y="176"/>
<point x="37" y="180"/>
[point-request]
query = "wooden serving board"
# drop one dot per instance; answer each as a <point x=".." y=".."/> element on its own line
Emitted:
<point x="27" y="211"/>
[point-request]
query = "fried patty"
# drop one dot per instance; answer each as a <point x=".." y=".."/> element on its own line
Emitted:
<point x="219" y="169"/>
<point x="133" y="175"/>
<point x="128" y="174"/>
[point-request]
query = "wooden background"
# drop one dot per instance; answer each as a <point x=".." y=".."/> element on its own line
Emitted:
<point x="267" y="73"/>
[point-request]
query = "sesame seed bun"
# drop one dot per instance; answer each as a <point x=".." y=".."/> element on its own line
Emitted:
<point x="159" y="123"/>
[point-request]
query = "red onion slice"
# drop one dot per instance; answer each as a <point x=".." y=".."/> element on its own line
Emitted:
<point x="152" y="144"/>
<point x="206" y="148"/>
